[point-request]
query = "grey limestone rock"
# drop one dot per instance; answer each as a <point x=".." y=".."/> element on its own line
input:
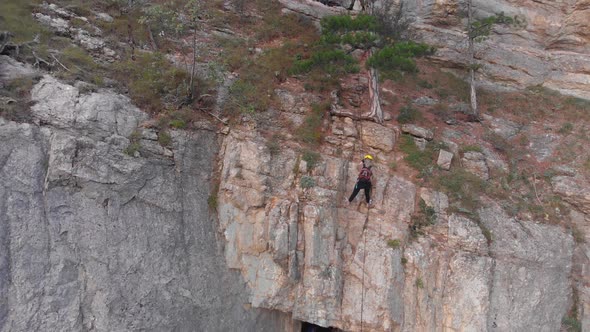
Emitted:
<point x="11" y="69"/>
<point x="418" y="131"/>
<point x="378" y="136"/>
<point x="94" y="239"/>
<point x="503" y="127"/>
<point x="425" y="101"/>
<point x="475" y="163"/>
<point x="574" y="190"/>
<point x="444" y="159"/>
<point x="528" y="257"/>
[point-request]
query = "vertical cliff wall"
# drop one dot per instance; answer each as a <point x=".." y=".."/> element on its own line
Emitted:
<point x="92" y="238"/>
<point x="302" y="249"/>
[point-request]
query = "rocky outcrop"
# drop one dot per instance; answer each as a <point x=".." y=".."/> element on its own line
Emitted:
<point x="303" y="251"/>
<point x="92" y="238"/>
<point x="475" y="163"/>
<point x="551" y="49"/>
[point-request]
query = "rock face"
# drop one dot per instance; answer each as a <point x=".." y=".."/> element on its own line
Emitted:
<point x="304" y="252"/>
<point x="552" y="49"/>
<point x="94" y="239"/>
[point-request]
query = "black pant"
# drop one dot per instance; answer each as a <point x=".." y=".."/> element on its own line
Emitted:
<point x="360" y="184"/>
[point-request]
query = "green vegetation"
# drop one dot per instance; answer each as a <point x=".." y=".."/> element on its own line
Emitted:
<point x="566" y="128"/>
<point x="578" y="235"/>
<point x="425" y="84"/>
<point x="419" y="283"/>
<point x="212" y="202"/>
<point x="311" y="158"/>
<point x="253" y="92"/>
<point x="150" y="78"/>
<point x="134" y="144"/>
<point x="426" y="216"/>
<point x="310" y="131"/>
<point x="404" y="261"/>
<point x="394" y="244"/>
<point x="273" y="145"/>
<point x="15" y="16"/>
<point x="307" y="182"/>
<point x="334" y="62"/>
<point x="471" y="148"/>
<point x="408" y="114"/>
<point x="80" y="65"/>
<point x="399" y="57"/>
<point x="393" y="166"/>
<point x="421" y="160"/>
<point x="571" y="324"/>
<point x="164" y="138"/>
<point x="362" y="32"/>
<point x="463" y="188"/>
<point x="177" y="123"/>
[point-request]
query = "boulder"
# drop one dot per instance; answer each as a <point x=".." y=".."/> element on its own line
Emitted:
<point x="574" y="190"/>
<point x="104" y="17"/>
<point x="425" y="101"/>
<point x="542" y="146"/>
<point x="444" y="159"/>
<point x="378" y="136"/>
<point x="418" y="131"/>
<point x="11" y="69"/>
<point x="475" y="163"/>
<point x="502" y="127"/>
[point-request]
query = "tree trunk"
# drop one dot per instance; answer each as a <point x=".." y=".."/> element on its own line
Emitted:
<point x="192" y="80"/>
<point x="152" y="39"/>
<point x="472" y="95"/>
<point x="376" y="110"/>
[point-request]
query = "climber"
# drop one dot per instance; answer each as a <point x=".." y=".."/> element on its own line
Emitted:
<point x="364" y="180"/>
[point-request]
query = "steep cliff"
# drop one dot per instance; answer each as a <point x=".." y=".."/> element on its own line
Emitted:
<point x="302" y="250"/>
<point x="238" y="224"/>
<point x="92" y="238"/>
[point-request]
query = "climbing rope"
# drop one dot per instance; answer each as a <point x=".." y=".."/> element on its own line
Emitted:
<point x="363" y="276"/>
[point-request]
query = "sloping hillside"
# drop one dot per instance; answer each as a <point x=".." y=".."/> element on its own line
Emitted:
<point x="186" y="166"/>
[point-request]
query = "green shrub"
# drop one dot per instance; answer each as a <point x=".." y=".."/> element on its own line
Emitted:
<point x="177" y="123"/>
<point x="150" y="78"/>
<point x="335" y="62"/>
<point x="274" y="147"/>
<point x="404" y="261"/>
<point x="419" y="283"/>
<point x="425" y="216"/>
<point x="307" y="182"/>
<point x="471" y="148"/>
<point x="164" y="138"/>
<point x="566" y="128"/>
<point x="399" y="56"/>
<point x="15" y="16"/>
<point x="578" y="235"/>
<point x="462" y="187"/>
<point x="212" y="202"/>
<point x="132" y="148"/>
<point x="346" y="23"/>
<point x="254" y="91"/>
<point x="408" y="114"/>
<point x="417" y="159"/>
<point x="394" y="244"/>
<point x="311" y="158"/>
<point x="77" y="59"/>
<point x="425" y="84"/>
<point x="571" y="324"/>
<point x="310" y="130"/>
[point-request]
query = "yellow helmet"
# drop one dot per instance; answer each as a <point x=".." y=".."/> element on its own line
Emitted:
<point x="368" y="156"/>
